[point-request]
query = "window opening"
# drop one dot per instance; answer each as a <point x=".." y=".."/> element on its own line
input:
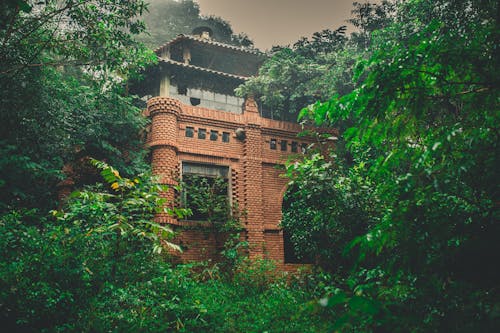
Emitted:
<point x="303" y="148"/>
<point x="284" y="145"/>
<point x="225" y="137"/>
<point x="272" y="144"/>
<point x="214" y="135"/>
<point x="189" y="132"/>
<point x="194" y="101"/>
<point x="206" y="191"/>
<point x="295" y="146"/>
<point x="202" y="133"/>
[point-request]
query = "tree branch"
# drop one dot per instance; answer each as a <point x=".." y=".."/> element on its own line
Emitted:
<point x="11" y="26"/>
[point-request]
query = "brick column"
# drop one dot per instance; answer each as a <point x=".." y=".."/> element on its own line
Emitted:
<point x="164" y="114"/>
<point x="252" y="179"/>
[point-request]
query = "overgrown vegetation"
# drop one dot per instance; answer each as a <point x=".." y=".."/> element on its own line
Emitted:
<point x="63" y="94"/>
<point x="401" y="219"/>
<point x="92" y="267"/>
<point x="208" y="200"/>
<point x="410" y="209"/>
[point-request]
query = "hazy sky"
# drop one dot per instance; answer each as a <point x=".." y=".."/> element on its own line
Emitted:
<point x="279" y="22"/>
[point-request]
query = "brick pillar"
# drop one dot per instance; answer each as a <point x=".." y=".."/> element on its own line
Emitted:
<point x="252" y="179"/>
<point x="164" y="114"/>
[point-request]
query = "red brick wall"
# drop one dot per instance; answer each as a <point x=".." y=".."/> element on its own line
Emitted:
<point x="271" y="197"/>
<point x="255" y="182"/>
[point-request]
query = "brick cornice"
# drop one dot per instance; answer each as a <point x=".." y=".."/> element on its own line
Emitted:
<point x="163" y="105"/>
<point x="283" y="133"/>
<point x="212" y="153"/>
<point x="253" y="126"/>
<point x="207" y="121"/>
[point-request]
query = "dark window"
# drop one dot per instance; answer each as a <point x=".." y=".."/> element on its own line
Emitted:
<point x="194" y="101"/>
<point x="272" y="144"/>
<point x="189" y="132"/>
<point x="290" y="256"/>
<point x="295" y="146"/>
<point x="284" y="145"/>
<point x="182" y="90"/>
<point x="225" y="137"/>
<point x="205" y="191"/>
<point x="202" y="133"/>
<point x="214" y="135"/>
<point x="303" y="148"/>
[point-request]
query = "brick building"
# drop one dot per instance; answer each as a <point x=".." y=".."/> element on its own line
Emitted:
<point x="198" y="126"/>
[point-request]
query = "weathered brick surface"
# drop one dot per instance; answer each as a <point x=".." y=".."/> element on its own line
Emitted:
<point x="255" y="182"/>
<point x="273" y="196"/>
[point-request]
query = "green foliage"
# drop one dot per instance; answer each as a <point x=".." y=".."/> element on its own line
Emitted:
<point x="369" y="17"/>
<point x="53" y="267"/>
<point x="76" y="32"/>
<point x="319" y="67"/>
<point x="129" y="211"/>
<point x="309" y="64"/>
<point x="177" y="300"/>
<point x="208" y="199"/>
<point x="271" y="87"/>
<point x="404" y="217"/>
<point x="62" y="67"/>
<point x="66" y="276"/>
<point x="325" y="207"/>
<point x="422" y="133"/>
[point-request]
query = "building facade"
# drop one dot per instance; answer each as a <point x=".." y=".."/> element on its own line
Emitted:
<point x="198" y="126"/>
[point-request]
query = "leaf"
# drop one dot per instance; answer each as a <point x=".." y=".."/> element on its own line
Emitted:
<point x="364" y="305"/>
<point x="24" y="6"/>
<point x="338" y="298"/>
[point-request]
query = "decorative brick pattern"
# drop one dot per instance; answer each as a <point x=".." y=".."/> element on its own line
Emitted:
<point x="255" y="182"/>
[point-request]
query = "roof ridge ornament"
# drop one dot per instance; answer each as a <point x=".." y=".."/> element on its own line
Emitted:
<point x="203" y="32"/>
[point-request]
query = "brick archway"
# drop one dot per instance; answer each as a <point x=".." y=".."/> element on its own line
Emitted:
<point x="282" y="195"/>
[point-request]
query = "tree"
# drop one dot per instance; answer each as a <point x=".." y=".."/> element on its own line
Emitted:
<point x="62" y="66"/>
<point x="52" y="33"/>
<point x="54" y="267"/>
<point x="327" y="205"/>
<point x="319" y="67"/>
<point x="369" y="17"/>
<point x="424" y="128"/>
<point x="307" y="64"/>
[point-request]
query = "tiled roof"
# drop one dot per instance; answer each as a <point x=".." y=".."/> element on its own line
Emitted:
<point x="207" y="70"/>
<point x="208" y="42"/>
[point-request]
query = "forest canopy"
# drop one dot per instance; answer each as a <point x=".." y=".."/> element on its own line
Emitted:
<point x="400" y="219"/>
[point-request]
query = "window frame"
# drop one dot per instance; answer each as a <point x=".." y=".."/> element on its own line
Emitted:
<point x="272" y="144"/>
<point x="225" y="174"/>
<point x="202" y="133"/>
<point x="189" y="132"/>
<point x="284" y="145"/>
